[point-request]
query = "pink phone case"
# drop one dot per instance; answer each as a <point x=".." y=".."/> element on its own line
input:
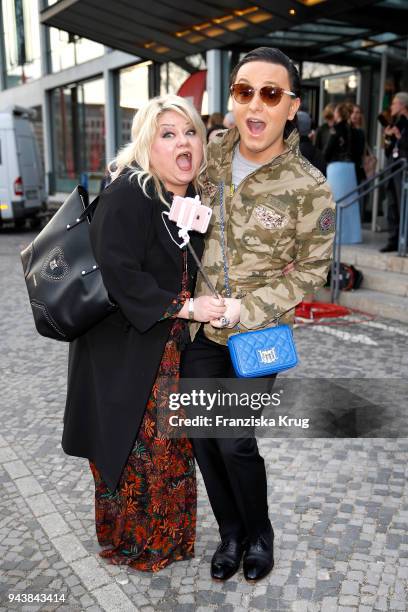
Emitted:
<point x="190" y="213"/>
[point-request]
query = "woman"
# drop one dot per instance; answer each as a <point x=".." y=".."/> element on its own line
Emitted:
<point x="357" y="122"/>
<point x="323" y="131"/>
<point x="119" y="371"/>
<point x="366" y="160"/>
<point x="277" y="211"/>
<point x="342" y="154"/>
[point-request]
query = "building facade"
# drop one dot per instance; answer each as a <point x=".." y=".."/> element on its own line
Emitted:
<point x="85" y="94"/>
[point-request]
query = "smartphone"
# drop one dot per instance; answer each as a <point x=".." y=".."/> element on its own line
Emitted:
<point x="382" y="119"/>
<point x="190" y="213"/>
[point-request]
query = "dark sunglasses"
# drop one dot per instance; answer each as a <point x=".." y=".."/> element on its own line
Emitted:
<point x="269" y="94"/>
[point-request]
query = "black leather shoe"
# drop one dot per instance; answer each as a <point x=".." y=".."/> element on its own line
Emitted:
<point x="389" y="248"/>
<point x="227" y="558"/>
<point x="258" y="557"/>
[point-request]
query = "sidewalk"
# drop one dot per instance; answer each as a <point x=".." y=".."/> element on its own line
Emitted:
<point x="339" y="506"/>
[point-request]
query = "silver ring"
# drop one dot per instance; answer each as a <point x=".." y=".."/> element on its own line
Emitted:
<point x="224" y="321"/>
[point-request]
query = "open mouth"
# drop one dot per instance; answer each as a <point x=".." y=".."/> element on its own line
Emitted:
<point x="184" y="161"/>
<point x="255" y="126"/>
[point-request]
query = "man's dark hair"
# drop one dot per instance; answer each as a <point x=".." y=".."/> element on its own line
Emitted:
<point x="273" y="56"/>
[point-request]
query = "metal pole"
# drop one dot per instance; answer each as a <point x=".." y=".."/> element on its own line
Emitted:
<point x="214" y="78"/>
<point x="383" y="75"/>
<point x="335" y="280"/>
<point x="403" y="229"/>
<point x="338" y="256"/>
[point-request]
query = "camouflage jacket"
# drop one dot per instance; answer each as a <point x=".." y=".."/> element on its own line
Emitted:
<point x="281" y="213"/>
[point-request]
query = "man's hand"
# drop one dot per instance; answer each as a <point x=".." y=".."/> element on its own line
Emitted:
<point x="392" y="131"/>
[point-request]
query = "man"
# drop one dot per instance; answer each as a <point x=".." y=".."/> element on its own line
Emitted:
<point x="396" y="147"/>
<point x="306" y="146"/>
<point x="278" y="210"/>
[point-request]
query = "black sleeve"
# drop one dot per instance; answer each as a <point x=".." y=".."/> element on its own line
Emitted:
<point x="319" y="139"/>
<point x="119" y="236"/>
<point x="358" y="141"/>
<point x="331" y="147"/>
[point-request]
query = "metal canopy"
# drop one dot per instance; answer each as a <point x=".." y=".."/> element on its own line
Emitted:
<point x="351" y="32"/>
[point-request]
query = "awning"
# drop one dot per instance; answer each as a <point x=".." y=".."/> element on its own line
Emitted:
<point x="316" y="30"/>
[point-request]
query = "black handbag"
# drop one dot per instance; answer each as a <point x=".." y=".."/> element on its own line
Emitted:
<point x="64" y="283"/>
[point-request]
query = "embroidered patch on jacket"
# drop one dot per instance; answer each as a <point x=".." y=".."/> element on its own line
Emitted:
<point x="270" y="219"/>
<point x="312" y="170"/>
<point x="326" y="221"/>
<point x="209" y="188"/>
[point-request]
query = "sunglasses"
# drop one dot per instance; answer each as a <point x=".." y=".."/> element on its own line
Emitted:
<point x="269" y="94"/>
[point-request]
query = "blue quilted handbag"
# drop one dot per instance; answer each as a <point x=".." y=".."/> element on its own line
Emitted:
<point x="263" y="352"/>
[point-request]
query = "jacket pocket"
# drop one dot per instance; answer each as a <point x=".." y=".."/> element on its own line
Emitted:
<point x="264" y="229"/>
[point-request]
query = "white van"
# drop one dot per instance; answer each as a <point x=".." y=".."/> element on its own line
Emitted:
<point x="22" y="193"/>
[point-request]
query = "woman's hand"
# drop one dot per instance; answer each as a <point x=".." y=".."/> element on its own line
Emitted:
<point x="232" y="313"/>
<point x="206" y="307"/>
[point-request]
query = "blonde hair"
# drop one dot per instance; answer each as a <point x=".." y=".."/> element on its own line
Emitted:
<point x="328" y="111"/>
<point x="136" y="155"/>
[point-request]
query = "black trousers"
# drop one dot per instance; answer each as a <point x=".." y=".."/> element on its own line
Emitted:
<point x="233" y="470"/>
<point x="393" y="211"/>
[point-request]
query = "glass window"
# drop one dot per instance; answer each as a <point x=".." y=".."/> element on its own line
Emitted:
<point x="37" y="123"/>
<point x="79" y="135"/>
<point x="340" y="88"/>
<point x="172" y="77"/>
<point x="22" y="36"/>
<point x="68" y="50"/>
<point x="133" y="92"/>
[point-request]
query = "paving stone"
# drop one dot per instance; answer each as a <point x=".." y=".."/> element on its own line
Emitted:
<point x="111" y="597"/>
<point x="350" y="588"/>
<point x="92" y="575"/>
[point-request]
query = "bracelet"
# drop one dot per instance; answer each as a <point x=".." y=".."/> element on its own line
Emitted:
<point x="191" y="309"/>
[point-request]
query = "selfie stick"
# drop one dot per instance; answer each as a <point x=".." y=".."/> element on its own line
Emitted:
<point x="205" y="276"/>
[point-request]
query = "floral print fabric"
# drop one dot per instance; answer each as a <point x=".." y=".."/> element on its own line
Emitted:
<point x="149" y="521"/>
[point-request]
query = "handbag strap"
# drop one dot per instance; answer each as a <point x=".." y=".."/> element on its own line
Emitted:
<point x="88" y="208"/>
<point x="224" y="255"/>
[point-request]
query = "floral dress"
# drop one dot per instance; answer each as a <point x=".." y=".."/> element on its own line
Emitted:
<point x="149" y="521"/>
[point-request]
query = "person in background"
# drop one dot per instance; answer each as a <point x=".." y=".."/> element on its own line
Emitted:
<point x="363" y="151"/>
<point x="357" y="122"/>
<point x="396" y="147"/>
<point x="214" y="119"/>
<point x="342" y="156"/>
<point x="105" y="180"/>
<point x="229" y="120"/>
<point x="306" y="146"/>
<point x="323" y="131"/>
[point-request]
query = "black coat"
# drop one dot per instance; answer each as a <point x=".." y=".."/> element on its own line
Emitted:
<point x="308" y="150"/>
<point x="343" y="144"/>
<point x="112" y="368"/>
